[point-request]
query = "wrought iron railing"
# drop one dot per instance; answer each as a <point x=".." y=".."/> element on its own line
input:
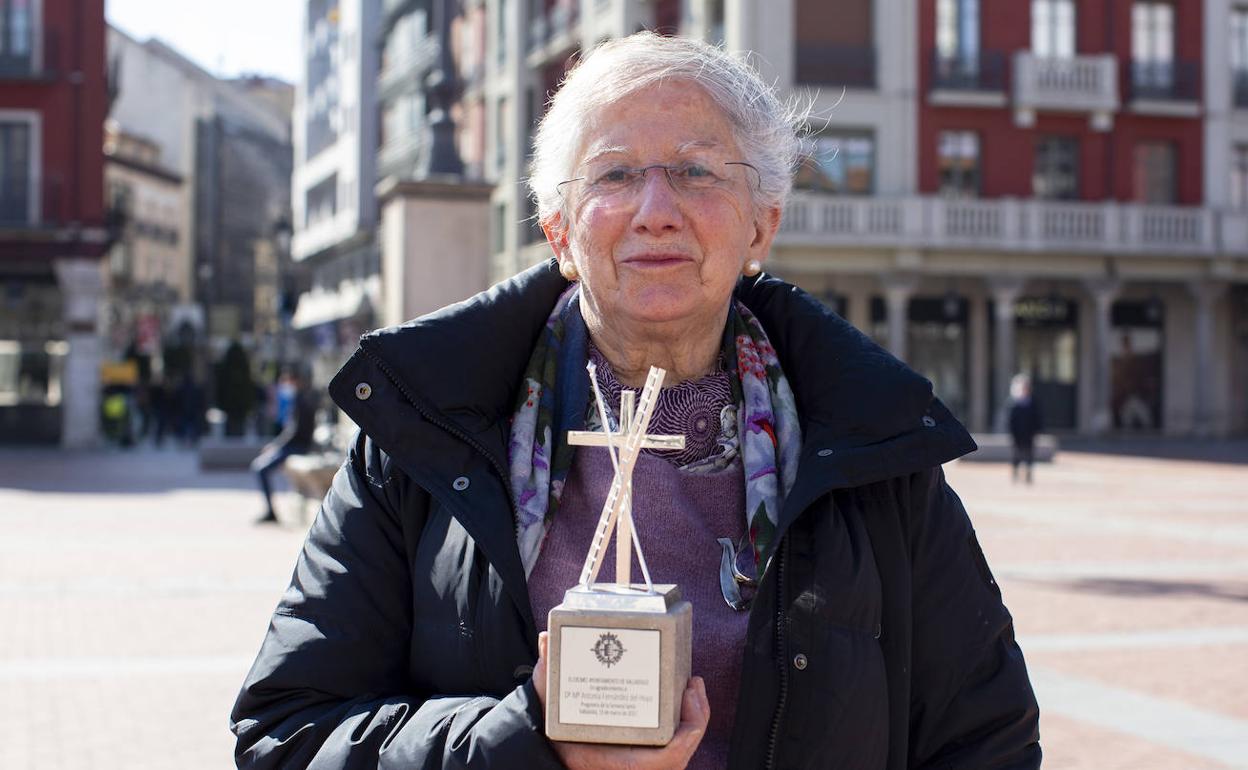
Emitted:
<point x="1165" y="80"/>
<point x="983" y="71"/>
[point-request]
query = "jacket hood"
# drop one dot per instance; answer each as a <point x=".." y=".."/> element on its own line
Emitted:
<point x="462" y="365"/>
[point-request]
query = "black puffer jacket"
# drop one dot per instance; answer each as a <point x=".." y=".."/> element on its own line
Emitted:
<point x="406" y="639"/>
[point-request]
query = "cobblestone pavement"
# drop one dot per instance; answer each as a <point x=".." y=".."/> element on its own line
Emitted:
<point x="134" y="592"/>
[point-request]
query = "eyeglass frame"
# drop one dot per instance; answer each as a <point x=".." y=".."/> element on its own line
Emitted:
<point x="667" y="173"/>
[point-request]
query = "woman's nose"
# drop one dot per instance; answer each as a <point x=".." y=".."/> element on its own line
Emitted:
<point x="658" y="203"/>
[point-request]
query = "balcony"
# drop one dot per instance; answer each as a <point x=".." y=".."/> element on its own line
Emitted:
<point x="834" y="65"/>
<point x="408" y="69"/>
<point x="968" y="81"/>
<point x="1076" y="84"/>
<point x="1012" y="225"/>
<point x="1165" y="87"/>
<point x="1240" y="95"/>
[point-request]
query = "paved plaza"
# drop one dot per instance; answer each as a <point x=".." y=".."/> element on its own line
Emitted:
<point x="134" y="591"/>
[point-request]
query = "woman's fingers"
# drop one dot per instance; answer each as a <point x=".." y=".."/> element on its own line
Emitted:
<point x="539" y="670"/>
<point x="695" y="714"/>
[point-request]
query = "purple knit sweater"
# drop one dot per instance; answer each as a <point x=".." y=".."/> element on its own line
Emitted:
<point x="679" y="516"/>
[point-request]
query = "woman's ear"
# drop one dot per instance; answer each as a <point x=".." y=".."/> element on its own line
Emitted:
<point x="556" y="235"/>
<point x="766" y="224"/>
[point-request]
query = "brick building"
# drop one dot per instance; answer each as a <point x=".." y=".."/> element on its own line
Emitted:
<point x="53" y="229"/>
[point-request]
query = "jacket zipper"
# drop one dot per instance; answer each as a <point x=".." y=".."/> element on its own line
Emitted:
<point x="781" y="643"/>
<point x="449" y="428"/>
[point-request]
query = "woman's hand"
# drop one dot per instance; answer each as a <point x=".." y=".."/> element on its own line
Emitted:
<point x="695" y="713"/>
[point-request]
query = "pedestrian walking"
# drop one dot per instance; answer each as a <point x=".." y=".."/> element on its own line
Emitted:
<point x="295" y="438"/>
<point x="1025" y="424"/>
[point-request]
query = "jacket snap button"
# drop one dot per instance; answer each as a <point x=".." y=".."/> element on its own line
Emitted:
<point x="824" y="453"/>
<point x="799" y="662"/>
<point x="363" y="391"/>
<point x="929" y="421"/>
<point x="460" y="484"/>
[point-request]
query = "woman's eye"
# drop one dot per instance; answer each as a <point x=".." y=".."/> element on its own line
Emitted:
<point x="696" y="171"/>
<point x="614" y="176"/>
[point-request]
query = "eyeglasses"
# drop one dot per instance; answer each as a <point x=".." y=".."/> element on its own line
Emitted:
<point x="731" y="579"/>
<point x="690" y="179"/>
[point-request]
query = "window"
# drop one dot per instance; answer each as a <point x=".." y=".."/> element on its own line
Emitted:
<point x="321" y="202"/>
<point x="957" y="31"/>
<point x="1239" y="177"/>
<point x="958" y="158"/>
<point x="15" y="172"/>
<point x="16" y="36"/>
<point x="322" y="76"/>
<point x="840" y="163"/>
<point x="500" y="37"/>
<point x="1154" y="177"/>
<point x="1055" y="175"/>
<point x="1152" y="45"/>
<point x="1239" y="54"/>
<point x="1053" y="28"/>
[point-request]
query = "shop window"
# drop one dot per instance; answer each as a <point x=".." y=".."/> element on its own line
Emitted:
<point x="1046" y="346"/>
<point x="1136" y="364"/>
<point x="1055" y="175"/>
<point x="1053" y="28"/>
<point x="958" y="156"/>
<point x="1154" y="174"/>
<point x="839" y="162"/>
<point x="937" y="344"/>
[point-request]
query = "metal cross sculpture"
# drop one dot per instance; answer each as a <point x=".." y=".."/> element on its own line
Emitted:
<point x="624" y="446"/>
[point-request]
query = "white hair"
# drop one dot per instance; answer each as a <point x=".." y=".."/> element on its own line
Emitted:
<point x="765" y="128"/>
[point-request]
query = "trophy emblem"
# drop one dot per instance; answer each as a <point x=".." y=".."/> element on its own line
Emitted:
<point x="620" y="653"/>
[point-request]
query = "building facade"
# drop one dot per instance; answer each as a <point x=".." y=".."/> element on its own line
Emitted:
<point x="229" y="141"/>
<point x="149" y="262"/>
<point x="53" y="225"/>
<point x="335" y="170"/>
<point x="1056" y="187"/>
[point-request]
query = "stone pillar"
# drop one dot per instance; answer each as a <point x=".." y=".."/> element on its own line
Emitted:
<point x="1103" y="292"/>
<point x="897" y="292"/>
<point x="1206" y="294"/>
<point x="82" y="287"/>
<point x="1005" y="291"/>
<point x="977" y="332"/>
<point x="434" y="247"/>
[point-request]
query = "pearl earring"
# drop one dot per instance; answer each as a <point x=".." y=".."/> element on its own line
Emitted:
<point x="568" y="270"/>
<point x="753" y="267"/>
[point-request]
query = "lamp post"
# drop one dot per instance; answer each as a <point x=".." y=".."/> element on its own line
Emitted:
<point x="441" y="86"/>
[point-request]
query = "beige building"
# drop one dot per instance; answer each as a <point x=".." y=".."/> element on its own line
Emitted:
<point x="148" y="270"/>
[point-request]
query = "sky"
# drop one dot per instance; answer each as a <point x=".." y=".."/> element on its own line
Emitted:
<point x="225" y="37"/>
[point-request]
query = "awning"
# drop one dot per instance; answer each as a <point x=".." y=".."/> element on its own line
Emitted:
<point x="319" y="306"/>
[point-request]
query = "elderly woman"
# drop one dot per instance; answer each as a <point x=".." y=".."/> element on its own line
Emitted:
<point x="870" y="633"/>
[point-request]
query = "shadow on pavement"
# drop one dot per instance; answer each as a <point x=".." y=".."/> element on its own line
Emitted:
<point x="1126" y="587"/>
<point x="1228" y="451"/>
<point x="114" y="471"/>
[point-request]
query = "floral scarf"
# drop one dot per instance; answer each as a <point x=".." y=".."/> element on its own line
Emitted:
<point x="555" y="382"/>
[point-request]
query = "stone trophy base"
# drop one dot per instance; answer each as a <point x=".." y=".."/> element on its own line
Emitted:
<point x="619" y="663"/>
